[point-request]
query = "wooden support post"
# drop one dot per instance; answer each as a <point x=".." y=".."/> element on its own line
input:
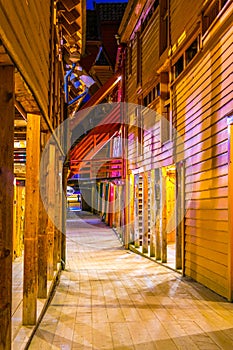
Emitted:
<point x="93" y="198"/>
<point x="152" y="214"/>
<point x="51" y="198"/>
<point x="131" y="214"/>
<point x="164" y="216"/>
<point x="103" y="199"/>
<point x="136" y="212"/>
<point x="107" y="198"/>
<point x="60" y="210"/>
<point x="98" y="198"/>
<point x="179" y="215"/>
<point x="114" y="207"/>
<point x="145" y="217"/>
<point x="158" y="200"/>
<point x="30" y="283"/>
<point x="64" y="206"/>
<point x="42" y="230"/>
<point x="110" y="206"/>
<point x="121" y="213"/>
<point x="230" y="204"/>
<point x="127" y="211"/>
<point x="56" y="212"/>
<point x="6" y="201"/>
<point x="117" y="213"/>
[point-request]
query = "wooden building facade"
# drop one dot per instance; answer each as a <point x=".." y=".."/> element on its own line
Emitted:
<point x="35" y="40"/>
<point x="179" y="88"/>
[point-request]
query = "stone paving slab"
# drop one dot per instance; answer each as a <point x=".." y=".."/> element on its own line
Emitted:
<point x="111" y="298"/>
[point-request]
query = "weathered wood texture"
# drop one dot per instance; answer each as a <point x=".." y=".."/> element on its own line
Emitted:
<point x="6" y="201"/>
<point x="42" y="229"/>
<point x="202" y="102"/>
<point x="51" y="208"/>
<point x="30" y="282"/>
<point x="182" y="14"/>
<point x="19" y="219"/>
<point x="25" y="30"/>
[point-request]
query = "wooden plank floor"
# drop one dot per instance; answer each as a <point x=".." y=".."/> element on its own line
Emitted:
<point x="110" y="298"/>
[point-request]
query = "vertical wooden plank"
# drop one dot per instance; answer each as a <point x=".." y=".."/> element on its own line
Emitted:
<point x="152" y="214"/>
<point x="56" y="212"/>
<point x="6" y="201"/>
<point x="114" y="207"/>
<point x="64" y="204"/>
<point x="98" y="198"/>
<point x="117" y="215"/>
<point x="145" y="211"/>
<point x="136" y="211"/>
<point x="60" y="209"/>
<point x="179" y="215"/>
<point x="157" y="213"/>
<point x="131" y="214"/>
<point x="51" y="197"/>
<point x="42" y="230"/>
<point x="110" y="207"/>
<point x="103" y="199"/>
<point x="164" y="216"/>
<point x="127" y="212"/>
<point x="230" y="216"/>
<point x="93" y="198"/>
<point x="107" y="198"/>
<point x="15" y="224"/>
<point x="121" y="212"/>
<point x="30" y="283"/>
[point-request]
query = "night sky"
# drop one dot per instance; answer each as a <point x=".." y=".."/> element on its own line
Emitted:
<point x="90" y="2"/>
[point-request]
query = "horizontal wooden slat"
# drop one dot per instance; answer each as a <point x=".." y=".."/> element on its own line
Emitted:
<point x="214" y="203"/>
<point x="213" y="236"/>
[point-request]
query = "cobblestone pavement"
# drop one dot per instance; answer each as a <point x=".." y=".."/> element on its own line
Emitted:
<point x="111" y="298"/>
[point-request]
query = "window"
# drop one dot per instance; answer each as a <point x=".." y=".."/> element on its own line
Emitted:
<point x="191" y="51"/>
<point x="152" y="95"/>
<point x="179" y="66"/>
<point x="211" y="12"/>
<point x="186" y="57"/>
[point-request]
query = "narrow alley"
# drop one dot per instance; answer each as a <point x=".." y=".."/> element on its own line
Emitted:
<point x="111" y="298"/>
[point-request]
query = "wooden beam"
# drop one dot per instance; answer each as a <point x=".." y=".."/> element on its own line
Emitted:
<point x="164" y="215"/>
<point x="56" y="213"/>
<point x="145" y="216"/>
<point x="42" y="230"/>
<point x="51" y="198"/>
<point x="152" y="214"/>
<point x="30" y="283"/>
<point x="157" y="213"/>
<point x="64" y="206"/>
<point x="230" y="199"/>
<point x="136" y="212"/>
<point x="6" y="201"/>
<point x="179" y="215"/>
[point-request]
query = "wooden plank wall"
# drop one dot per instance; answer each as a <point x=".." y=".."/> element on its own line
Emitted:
<point x="131" y="78"/>
<point x="202" y="101"/>
<point x="183" y="13"/>
<point x="150" y="50"/>
<point x="25" y="29"/>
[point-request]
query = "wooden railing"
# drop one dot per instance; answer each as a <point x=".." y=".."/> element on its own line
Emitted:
<point x="97" y="168"/>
